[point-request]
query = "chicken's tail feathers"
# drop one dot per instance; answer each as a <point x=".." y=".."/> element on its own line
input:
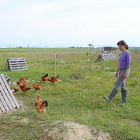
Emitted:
<point x="46" y="103"/>
<point x="28" y="88"/>
<point x="57" y="76"/>
<point x="16" y="90"/>
<point x="46" y="74"/>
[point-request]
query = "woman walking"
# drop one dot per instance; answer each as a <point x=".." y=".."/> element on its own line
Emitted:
<point x="123" y="70"/>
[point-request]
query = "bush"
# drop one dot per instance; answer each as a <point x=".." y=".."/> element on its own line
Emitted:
<point x="23" y="54"/>
<point x="76" y="75"/>
<point x="13" y="54"/>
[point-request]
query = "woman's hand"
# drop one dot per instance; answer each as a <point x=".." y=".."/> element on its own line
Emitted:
<point x="124" y="76"/>
<point x="116" y="75"/>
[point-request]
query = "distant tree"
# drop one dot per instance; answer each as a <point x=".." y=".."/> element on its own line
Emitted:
<point x="71" y="47"/>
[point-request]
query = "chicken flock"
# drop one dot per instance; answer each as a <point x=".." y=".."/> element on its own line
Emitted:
<point x="39" y="104"/>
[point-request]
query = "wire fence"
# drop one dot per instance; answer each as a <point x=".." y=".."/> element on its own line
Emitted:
<point x="38" y="55"/>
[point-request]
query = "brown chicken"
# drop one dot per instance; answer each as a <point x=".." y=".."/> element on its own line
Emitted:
<point x="40" y="105"/>
<point x="37" y="87"/>
<point x="23" y="87"/>
<point x="45" y="78"/>
<point x="54" y="79"/>
<point x="23" y="80"/>
<point x="14" y="90"/>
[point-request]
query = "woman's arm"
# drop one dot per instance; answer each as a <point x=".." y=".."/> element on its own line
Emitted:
<point x="127" y="65"/>
<point x="118" y="69"/>
<point x="125" y="74"/>
<point x="116" y="75"/>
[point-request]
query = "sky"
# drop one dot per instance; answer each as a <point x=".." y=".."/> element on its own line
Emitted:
<point x="54" y="23"/>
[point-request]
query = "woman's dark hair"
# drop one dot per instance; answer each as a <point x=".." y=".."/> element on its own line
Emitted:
<point x="123" y="43"/>
<point x="126" y="46"/>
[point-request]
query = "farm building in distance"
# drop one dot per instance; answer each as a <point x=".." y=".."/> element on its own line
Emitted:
<point x="109" y="49"/>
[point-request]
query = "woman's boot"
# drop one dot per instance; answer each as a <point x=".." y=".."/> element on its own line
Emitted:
<point x="112" y="94"/>
<point x="124" y="96"/>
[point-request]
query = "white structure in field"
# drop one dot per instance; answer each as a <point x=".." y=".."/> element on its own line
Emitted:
<point x="7" y="99"/>
<point x="16" y="64"/>
<point x="106" y="56"/>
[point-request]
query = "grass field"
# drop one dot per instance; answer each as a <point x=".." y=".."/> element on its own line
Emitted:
<point x="78" y="97"/>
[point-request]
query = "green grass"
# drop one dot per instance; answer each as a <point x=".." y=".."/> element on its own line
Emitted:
<point x="78" y="97"/>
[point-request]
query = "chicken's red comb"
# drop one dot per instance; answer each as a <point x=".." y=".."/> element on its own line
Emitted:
<point x="18" y="82"/>
<point x="38" y="98"/>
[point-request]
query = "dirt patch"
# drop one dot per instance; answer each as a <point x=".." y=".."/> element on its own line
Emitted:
<point x="106" y="68"/>
<point x="113" y="73"/>
<point x="96" y="66"/>
<point x="22" y="108"/>
<point x="48" y="138"/>
<point x="74" y="131"/>
<point x="25" y="121"/>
